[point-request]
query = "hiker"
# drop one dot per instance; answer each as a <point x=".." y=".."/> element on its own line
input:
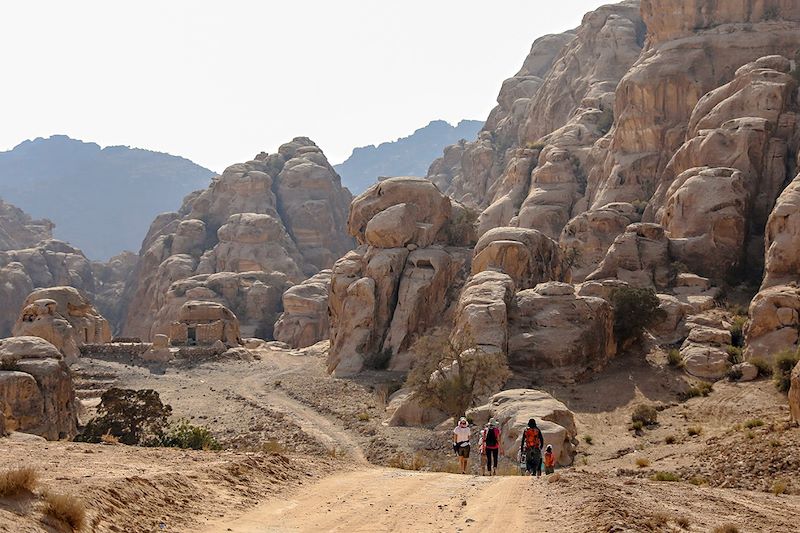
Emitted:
<point x="531" y="448"/>
<point x="482" y="447"/>
<point x="461" y="435"/>
<point x="549" y="460"/>
<point x="492" y="445"/>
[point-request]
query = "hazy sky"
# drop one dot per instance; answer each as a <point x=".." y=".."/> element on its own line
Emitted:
<point x="219" y="81"/>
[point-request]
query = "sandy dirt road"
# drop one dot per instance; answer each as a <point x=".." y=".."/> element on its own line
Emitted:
<point x="382" y="499"/>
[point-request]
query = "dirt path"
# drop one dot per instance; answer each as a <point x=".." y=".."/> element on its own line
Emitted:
<point x="382" y="499"/>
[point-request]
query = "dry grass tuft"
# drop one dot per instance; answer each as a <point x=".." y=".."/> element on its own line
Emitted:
<point x="273" y="446"/>
<point x="682" y="522"/>
<point x="108" y="438"/>
<point x="65" y="508"/>
<point x="13" y="482"/>
<point x="694" y="431"/>
<point x="642" y="462"/>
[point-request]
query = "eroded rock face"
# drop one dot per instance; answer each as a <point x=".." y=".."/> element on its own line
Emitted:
<point x="50" y="263"/>
<point x="528" y="256"/>
<point x="18" y="230"/>
<point x="640" y="257"/>
<point x="383" y="296"/>
<point x="482" y="311"/>
<point x="513" y="408"/>
<point x="259" y="227"/>
<point x="36" y="389"/>
<point x="782" y="239"/>
<point x="773" y="323"/>
<point x="63" y="317"/>
<point x="110" y="279"/>
<point x="305" y="312"/>
<point x="553" y="331"/>
<point x="585" y="240"/>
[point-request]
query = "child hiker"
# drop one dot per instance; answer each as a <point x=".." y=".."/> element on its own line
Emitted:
<point x="549" y="460"/>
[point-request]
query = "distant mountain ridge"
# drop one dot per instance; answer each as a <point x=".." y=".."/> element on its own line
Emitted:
<point x="407" y="156"/>
<point x="101" y="199"/>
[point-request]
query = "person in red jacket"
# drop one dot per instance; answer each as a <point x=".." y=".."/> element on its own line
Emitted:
<point x="531" y="448"/>
<point x="492" y="444"/>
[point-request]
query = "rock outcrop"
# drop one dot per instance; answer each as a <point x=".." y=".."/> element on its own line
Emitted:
<point x="398" y="283"/>
<point x="18" y="230"/>
<point x="63" y="317"/>
<point x="774" y="323"/>
<point x="794" y="395"/>
<point x="259" y="227"/>
<point x="639" y="257"/>
<point x="304" y="320"/>
<point x="782" y="239"/>
<point x="554" y="332"/>
<point x="36" y="389"/>
<point x="513" y="408"/>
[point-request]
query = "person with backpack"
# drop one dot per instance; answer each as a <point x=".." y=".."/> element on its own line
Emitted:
<point x="492" y="445"/>
<point x="482" y="447"/>
<point x="549" y="460"/>
<point x="461" y="436"/>
<point x="531" y="448"/>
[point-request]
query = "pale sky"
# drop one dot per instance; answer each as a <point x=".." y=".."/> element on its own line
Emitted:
<point x="220" y="81"/>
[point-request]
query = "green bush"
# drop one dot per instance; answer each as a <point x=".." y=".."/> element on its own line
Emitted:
<point x="182" y="434"/>
<point x="665" y="476"/>
<point x="737" y="330"/>
<point x="734" y="354"/>
<point x="646" y="414"/>
<point x="133" y="417"/>
<point x="634" y="310"/>
<point x="701" y="389"/>
<point x="785" y="362"/>
<point x="764" y="368"/>
<point x="674" y="358"/>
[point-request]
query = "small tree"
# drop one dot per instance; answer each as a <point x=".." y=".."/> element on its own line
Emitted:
<point x="132" y="416"/>
<point x="634" y="310"/>
<point x="453" y="374"/>
<point x="785" y="362"/>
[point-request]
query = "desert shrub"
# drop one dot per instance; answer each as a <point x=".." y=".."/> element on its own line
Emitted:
<point x="273" y="446"/>
<point x="638" y="425"/>
<point x="682" y="522"/>
<point x="639" y="205"/>
<point x="734" y="354"/>
<point x="538" y="145"/>
<point x="588" y="439"/>
<point x="363" y="416"/>
<point x="182" y="434"/>
<point x="726" y="528"/>
<point x="461" y="228"/>
<point x="665" y="476"/>
<point x="785" y="362"/>
<point x="671" y="439"/>
<point x="753" y="423"/>
<point x="134" y="417"/>
<point x="646" y="414"/>
<point x="734" y="374"/>
<point x="407" y="462"/>
<point x="674" y="358"/>
<point x="12" y="482"/>
<point x="65" y="508"/>
<point x="634" y="310"/>
<point x="693" y="431"/>
<point x="779" y="487"/>
<point x="764" y="368"/>
<point x="642" y="462"/>
<point x="379" y="361"/>
<point x="701" y="389"/>
<point x="737" y="330"/>
<point x="606" y="120"/>
<point x="698" y="480"/>
<point x="451" y="375"/>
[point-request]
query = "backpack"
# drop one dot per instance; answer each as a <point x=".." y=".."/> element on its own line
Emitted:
<point x="491" y="438"/>
<point x="532" y="439"/>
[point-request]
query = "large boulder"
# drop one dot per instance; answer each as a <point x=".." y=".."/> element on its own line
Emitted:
<point x="513" y="408"/>
<point x="36" y="389"/>
<point x="528" y="256"/>
<point x="782" y="238"/>
<point x="482" y="311"/>
<point x="773" y="323"/>
<point x="640" y="257"/>
<point x="304" y="320"/>
<point x="704" y="352"/>
<point x="64" y="317"/>
<point x="553" y="331"/>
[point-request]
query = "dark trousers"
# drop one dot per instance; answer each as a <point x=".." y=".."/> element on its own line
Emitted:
<point x="491" y="454"/>
<point x="533" y="461"/>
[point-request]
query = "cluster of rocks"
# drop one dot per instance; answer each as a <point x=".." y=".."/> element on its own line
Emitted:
<point x="260" y="227"/>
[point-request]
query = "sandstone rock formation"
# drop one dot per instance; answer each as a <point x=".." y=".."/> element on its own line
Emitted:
<point x="397" y="284"/>
<point x="204" y="323"/>
<point x="304" y="320"/>
<point x="774" y="322"/>
<point x="640" y="257"/>
<point x="555" y="332"/>
<point x="260" y="227"/>
<point x="18" y="230"/>
<point x="482" y="311"/>
<point x="782" y="239"/>
<point x="63" y="317"/>
<point x="513" y="408"/>
<point x="50" y="263"/>
<point x="36" y="389"/>
<point x="794" y="395"/>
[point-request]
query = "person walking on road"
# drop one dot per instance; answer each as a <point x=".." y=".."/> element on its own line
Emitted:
<point x="492" y="445"/>
<point x="549" y="460"/>
<point x="482" y="448"/>
<point x="461" y="436"/>
<point x="531" y="448"/>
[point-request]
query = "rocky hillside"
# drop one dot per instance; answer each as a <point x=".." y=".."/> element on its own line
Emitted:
<point x="259" y="228"/>
<point x="407" y="156"/>
<point x="19" y="230"/>
<point x="100" y="199"/>
<point x="652" y="147"/>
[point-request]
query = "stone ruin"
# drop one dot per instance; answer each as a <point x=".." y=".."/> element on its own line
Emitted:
<point x="205" y="323"/>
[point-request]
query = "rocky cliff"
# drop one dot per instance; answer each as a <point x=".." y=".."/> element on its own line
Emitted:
<point x="259" y="228"/>
<point x="653" y="146"/>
